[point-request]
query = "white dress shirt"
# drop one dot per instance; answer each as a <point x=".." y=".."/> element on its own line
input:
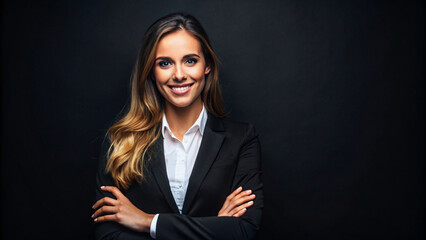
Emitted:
<point x="180" y="159"/>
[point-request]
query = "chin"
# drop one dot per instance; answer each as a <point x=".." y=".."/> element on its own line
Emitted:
<point x="182" y="103"/>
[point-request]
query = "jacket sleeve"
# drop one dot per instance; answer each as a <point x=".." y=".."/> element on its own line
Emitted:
<point x="111" y="230"/>
<point x="174" y="226"/>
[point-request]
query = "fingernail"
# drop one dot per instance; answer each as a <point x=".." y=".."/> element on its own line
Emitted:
<point x="252" y="195"/>
<point x="96" y="219"/>
<point x="239" y="188"/>
<point x="102" y="186"/>
<point x="93" y="207"/>
<point x="251" y="202"/>
<point x="93" y="215"/>
<point x="244" y="209"/>
<point x="248" y="191"/>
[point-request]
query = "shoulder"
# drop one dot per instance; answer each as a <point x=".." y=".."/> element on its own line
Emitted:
<point x="231" y="128"/>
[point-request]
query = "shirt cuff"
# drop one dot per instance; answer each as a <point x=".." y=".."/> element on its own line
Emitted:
<point x="153" y="228"/>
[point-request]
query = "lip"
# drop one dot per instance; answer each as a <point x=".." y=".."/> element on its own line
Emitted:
<point x="180" y="89"/>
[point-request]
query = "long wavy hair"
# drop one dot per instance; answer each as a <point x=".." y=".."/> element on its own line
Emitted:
<point x="133" y="136"/>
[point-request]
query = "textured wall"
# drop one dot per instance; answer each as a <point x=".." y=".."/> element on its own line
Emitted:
<point x="335" y="89"/>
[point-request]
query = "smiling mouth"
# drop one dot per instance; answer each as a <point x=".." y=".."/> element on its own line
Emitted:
<point x="180" y="89"/>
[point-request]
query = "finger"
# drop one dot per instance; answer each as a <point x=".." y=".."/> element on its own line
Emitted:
<point x="104" y="201"/>
<point x="114" y="190"/>
<point x="237" y="209"/>
<point x="244" y="193"/>
<point x="241" y="207"/>
<point x="236" y="191"/>
<point x="106" y="218"/>
<point x="103" y="210"/>
<point x="242" y="200"/>
<point x="232" y="201"/>
<point x="227" y="205"/>
<point x="240" y="213"/>
<point x="229" y="198"/>
<point x="233" y="194"/>
<point x="238" y="201"/>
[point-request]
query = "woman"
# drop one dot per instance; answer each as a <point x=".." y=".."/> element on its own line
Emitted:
<point x="174" y="167"/>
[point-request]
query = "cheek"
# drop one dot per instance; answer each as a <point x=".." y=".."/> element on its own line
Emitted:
<point x="161" y="76"/>
<point x="196" y="74"/>
<point x="160" y="80"/>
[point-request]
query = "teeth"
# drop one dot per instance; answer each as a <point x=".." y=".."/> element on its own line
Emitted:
<point x="180" y="89"/>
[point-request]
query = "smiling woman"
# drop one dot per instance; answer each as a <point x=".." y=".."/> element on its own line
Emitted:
<point x="174" y="167"/>
<point x="180" y="71"/>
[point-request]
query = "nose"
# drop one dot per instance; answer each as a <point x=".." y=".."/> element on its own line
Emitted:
<point x="180" y="74"/>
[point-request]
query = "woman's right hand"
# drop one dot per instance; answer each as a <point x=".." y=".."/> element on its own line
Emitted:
<point x="122" y="211"/>
<point x="236" y="203"/>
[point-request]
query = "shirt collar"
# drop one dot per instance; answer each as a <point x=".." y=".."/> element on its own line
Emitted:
<point x="200" y="123"/>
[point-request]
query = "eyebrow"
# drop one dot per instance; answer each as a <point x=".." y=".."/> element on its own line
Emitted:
<point x="191" y="55"/>
<point x="186" y="56"/>
<point x="162" y="58"/>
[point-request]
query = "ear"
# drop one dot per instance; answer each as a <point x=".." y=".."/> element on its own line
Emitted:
<point x="207" y="69"/>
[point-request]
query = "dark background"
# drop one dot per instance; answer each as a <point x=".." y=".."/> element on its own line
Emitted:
<point x="335" y="89"/>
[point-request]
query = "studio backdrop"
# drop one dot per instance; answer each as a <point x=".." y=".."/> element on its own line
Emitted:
<point x="335" y="90"/>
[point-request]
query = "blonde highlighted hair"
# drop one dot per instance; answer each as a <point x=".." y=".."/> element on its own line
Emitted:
<point x="133" y="136"/>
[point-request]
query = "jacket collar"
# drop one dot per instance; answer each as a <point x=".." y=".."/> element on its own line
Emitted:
<point x="210" y="145"/>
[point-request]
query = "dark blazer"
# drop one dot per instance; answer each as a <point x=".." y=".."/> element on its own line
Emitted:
<point x="229" y="157"/>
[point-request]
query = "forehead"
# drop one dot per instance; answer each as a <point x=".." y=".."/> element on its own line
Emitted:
<point x="178" y="43"/>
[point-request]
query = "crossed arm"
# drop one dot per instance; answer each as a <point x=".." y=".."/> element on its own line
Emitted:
<point x="122" y="211"/>
<point x="239" y="217"/>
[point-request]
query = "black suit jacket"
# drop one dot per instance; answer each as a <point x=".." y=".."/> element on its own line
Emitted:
<point x="229" y="157"/>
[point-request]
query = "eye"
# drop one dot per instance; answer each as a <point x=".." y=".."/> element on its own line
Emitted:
<point x="164" y="64"/>
<point x="191" y="61"/>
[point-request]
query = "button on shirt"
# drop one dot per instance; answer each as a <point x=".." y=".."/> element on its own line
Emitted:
<point x="180" y="159"/>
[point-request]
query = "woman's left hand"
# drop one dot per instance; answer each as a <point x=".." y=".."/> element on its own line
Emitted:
<point x="121" y="210"/>
<point x="236" y="203"/>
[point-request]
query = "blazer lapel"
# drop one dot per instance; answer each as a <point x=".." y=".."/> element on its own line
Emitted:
<point x="209" y="148"/>
<point x="160" y="174"/>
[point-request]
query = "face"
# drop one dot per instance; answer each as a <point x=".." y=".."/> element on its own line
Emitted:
<point x="180" y="69"/>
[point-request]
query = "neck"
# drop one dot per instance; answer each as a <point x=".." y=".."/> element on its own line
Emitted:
<point x="181" y="119"/>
